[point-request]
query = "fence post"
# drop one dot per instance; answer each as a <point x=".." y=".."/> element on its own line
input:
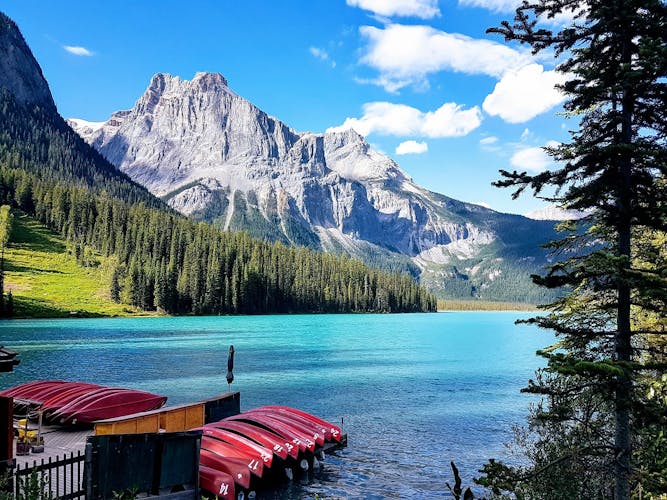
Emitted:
<point x="88" y="471"/>
<point x="17" y="481"/>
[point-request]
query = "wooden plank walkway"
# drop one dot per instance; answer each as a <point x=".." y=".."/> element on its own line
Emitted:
<point x="67" y="477"/>
<point x="57" y="442"/>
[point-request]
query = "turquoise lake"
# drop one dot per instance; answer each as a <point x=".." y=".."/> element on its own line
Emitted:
<point x="414" y="391"/>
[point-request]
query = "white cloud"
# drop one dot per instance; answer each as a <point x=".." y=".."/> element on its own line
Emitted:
<point x="492" y="5"/>
<point x="322" y="55"/>
<point x="406" y="55"/>
<point x="523" y="94"/>
<point x="411" y="147"/>
<point x="533" y="159"/>
<point x="564" y="18"/>
<point x="449" y="120"/>
<point x="424" y="9"/>
<point x="78" y="51"/>
<point x="490" y="144"/>
<point x="509" y="6"/>
<point x="526" y="135"/>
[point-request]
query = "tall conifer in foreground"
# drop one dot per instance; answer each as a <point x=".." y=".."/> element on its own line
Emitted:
<point x="614" y="54"/>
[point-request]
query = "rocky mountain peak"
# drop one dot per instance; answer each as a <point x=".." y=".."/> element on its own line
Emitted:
<point x="160" y="81"/>
<point x="20" y="73"/>
<point x="341" y="137"/>
<point x="166" y="84"/>
<point x="209" y="80"/>
<point x="213" y="155"/>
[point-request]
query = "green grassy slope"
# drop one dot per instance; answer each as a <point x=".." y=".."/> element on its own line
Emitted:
<point x="46" y="281"/>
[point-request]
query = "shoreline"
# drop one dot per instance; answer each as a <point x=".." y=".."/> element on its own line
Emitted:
<point x="458" y="305"/>
<point x="446" y="308"/>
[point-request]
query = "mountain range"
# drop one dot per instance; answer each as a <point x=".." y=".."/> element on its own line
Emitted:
<point x="214" y="156"/>
<point x="148" y="256"/>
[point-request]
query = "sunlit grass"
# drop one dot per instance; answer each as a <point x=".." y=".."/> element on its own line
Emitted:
<point x="46" y="281"/>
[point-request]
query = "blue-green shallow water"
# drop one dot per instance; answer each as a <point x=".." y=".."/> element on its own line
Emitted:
<point x="415" y="391"/>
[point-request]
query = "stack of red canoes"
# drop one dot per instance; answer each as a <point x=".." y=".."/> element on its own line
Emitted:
<point x="82" y="403"/>
<point x="265" y="442"/>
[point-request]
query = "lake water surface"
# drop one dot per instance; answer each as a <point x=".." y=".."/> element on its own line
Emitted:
<point x="414" y="391"/>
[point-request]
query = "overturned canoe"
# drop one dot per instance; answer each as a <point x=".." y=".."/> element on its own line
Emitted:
<point x="65" y="395"/>
<point x="281" y="447"/>
<point x="241" y="442"/>
<point x="106" y="403"/>
<point x="217" y="483"/>
<point x="332" y="432"/>
<point x="253" y="461"/>
<point x="309" y="429"/>
<point x="237" y="468"/>
<point x="29" y="389"/>
<point x="295" y="436"/>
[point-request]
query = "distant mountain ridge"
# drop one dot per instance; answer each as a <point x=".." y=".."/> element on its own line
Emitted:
<point x="213" y="155"/>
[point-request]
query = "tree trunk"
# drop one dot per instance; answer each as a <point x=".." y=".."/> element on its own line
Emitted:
<point x="622" y="438"/>
<point x="623" y="344"/>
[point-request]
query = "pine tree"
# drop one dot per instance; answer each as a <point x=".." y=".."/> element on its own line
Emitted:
<point x="114" y="287"/>
<point x="615" y="62"/>
<point x="9" y="306"/>
<point x="6" y="221"/>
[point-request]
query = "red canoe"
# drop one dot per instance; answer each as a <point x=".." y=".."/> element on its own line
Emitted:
<point x="236" y="468"/>
<point x="65" y="397"/>
<point x="107" y="403"/>
<point x="80" y="400"/>
<point x="322" y="430"/>
<point x="332" y="429"/>
<point x="253" y="461"/>
<point x="52" y="392"/>
<point x="24" y="391"/>
<point x="308" y="428"/>
<point x="240" y="442"/>
<point x="279" y="445"/>
<point x="298" y="438"/>
<point x="217" y="483"/>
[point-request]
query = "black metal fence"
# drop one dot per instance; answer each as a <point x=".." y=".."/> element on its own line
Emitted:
<point x="165" y="465"/>
<point x="57" y="477"/>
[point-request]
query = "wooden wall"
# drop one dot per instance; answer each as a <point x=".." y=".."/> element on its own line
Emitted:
<point x="172" y="418"/>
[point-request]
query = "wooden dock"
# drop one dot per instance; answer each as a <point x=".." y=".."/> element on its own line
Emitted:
<point x="58" y="441"/>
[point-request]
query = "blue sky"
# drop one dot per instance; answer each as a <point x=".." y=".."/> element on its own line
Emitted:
<point x="419" y="78"/>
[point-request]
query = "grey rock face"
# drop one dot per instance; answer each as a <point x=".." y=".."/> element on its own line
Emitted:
<point x="213" y="155"/>
<point x="19" y="72"/>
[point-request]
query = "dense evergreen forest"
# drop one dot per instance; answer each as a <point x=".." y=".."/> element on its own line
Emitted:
<point x="164" y="260"/>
